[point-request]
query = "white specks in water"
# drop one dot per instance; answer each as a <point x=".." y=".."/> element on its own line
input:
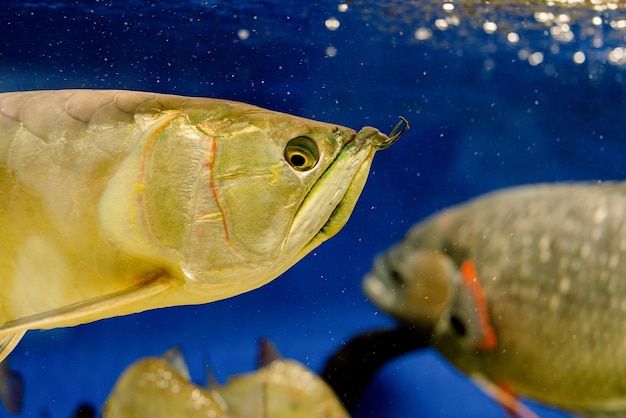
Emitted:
<point x="332" y="24"/>
<point x="422" y="34"/>
<point x="579" y="57"/>
<point x="512" y="37"/>
<point x="535" y="58"/>
<point x="617" y="56"/>
<point x="441" y="24"/>
<point x="243" y="34"/>
<point x="490" y="27"/>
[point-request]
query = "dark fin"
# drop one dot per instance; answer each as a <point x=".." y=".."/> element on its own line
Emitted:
<point x="349" y="370"/>
<point x="85" y="308"/>
<point x="488" y="340"/>
<point x="505" y="397"/>
<point x="11" y="389"/>
<point x="267" y="352"/>
<point x="85" y="411"/>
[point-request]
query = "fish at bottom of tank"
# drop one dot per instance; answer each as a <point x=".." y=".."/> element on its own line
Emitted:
<point x="161" y="387"/>
<point x="522" y="289"/>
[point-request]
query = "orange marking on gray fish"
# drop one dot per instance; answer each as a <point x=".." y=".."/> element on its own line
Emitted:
<point x="469" y="275"/>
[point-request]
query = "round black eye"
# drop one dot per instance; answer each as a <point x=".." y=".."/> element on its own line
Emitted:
<point x="458" y="326"/>
<point x="396" y="277"/>
<point x="301" y="153"/>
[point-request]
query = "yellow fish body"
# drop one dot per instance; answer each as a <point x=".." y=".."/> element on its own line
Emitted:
<point x="522" y="289"/>
<point x="281" y="388"/>
<point x="161" y="387"/>
<point x="158" y="387"/>
<point x="115" y="202"/>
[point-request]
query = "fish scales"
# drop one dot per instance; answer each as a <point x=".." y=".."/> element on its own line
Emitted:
<point x="551" y="262"/>
<point x="114" y="202"/>
<point x="161" y="387"/>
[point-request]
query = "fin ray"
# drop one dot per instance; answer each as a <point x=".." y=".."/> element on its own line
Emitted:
<point x="8" y="343"/>
<point x="85" y="308"/>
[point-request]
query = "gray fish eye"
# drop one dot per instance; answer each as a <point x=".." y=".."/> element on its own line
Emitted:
<point x="301" y="153"/>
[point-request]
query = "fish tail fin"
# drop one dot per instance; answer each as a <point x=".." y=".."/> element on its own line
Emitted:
<point x="11" y="388"/>
<point x="505" y="397"/>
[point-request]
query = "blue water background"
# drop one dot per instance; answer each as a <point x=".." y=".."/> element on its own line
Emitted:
<point x="481" y="118"/>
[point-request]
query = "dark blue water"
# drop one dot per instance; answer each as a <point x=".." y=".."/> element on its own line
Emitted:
<point x="482" y="117"/>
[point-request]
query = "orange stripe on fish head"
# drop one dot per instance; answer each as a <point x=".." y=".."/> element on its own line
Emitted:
<point x="470" y="277"/>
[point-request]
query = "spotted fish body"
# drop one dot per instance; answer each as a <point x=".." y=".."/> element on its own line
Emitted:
<point x="282" y="389"/>
<point x="523" y="287"/>
<point x="158" y="387"/>
<point x="114" y="202"/>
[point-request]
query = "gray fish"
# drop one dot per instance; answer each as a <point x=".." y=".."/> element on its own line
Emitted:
<point x="524" y="290"/>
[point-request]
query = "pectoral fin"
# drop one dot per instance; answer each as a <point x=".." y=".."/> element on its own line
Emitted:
<point x="8" y="343"/>
<point x="81" y="312"/>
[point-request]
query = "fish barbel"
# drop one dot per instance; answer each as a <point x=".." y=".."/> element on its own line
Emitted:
<point x="114" y="202"/>
<point x="523" y="289"/>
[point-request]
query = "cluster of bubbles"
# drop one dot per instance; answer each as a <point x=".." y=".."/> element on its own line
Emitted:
<point x="582" y="30"/>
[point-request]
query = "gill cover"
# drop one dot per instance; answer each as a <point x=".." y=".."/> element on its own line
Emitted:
<point x="214" y="199"/>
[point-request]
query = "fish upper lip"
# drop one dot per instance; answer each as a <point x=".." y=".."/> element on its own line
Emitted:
<point x="379" y="140"/>
<point x="367" y="136"/>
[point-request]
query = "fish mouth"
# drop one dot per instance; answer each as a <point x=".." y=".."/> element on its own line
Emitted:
<point x="334" y="195"/>
<point x="330" y="202"/>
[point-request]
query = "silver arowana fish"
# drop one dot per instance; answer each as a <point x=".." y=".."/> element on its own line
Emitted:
<point x="161" y="387"/>
<point x="115" y="202"/>
<point x="523" y="289"/>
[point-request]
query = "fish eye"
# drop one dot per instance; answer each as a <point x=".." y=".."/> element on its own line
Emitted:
<point x="396" y="277"/>
<point x="458" y="326"/>
<point x="301" y="153"/>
